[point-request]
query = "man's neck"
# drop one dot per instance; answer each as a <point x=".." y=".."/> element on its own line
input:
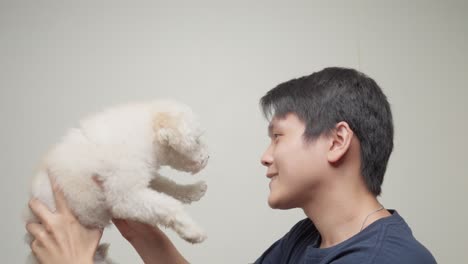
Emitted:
<point x="339" y="216"/>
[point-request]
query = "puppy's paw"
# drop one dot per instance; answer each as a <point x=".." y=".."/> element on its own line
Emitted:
<point x="198" y="190"/>
<point x="193" y="235"/>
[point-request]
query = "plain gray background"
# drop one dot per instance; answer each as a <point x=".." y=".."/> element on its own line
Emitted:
<point x="60" y="61"/>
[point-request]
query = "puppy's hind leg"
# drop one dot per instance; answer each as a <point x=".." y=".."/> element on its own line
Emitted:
<point x="185" y="193"/>
<point x="151" y="207"/>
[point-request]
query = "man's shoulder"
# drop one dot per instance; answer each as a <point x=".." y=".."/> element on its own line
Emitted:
<point x="410" y="251"/>
<point x="389" y="240"/>
<point x="398" y="245"/>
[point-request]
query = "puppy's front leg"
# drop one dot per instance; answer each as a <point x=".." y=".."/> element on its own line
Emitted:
<point x="151" y="207"/>
<point x="185" y="193"/>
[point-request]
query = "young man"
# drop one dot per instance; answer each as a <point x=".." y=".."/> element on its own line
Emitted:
<point x="331" y="138"/>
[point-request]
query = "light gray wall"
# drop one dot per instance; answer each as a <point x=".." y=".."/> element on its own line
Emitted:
<point x="59" y="61"/>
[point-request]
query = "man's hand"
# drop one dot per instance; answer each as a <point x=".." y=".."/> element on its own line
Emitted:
<point x="59" y="237"/>
<point x="151" y="243"/>
<point x="133" y="230"/>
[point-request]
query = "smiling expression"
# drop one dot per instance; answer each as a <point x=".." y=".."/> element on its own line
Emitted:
<point x="294" y="166"/>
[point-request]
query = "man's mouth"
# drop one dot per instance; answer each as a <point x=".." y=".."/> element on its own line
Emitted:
<point x="271" y="175"/>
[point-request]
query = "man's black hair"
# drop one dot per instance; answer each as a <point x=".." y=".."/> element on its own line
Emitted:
<point x="325" y="98"/>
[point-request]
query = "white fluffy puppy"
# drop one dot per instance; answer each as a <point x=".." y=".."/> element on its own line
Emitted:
<point x="123" y="149"/>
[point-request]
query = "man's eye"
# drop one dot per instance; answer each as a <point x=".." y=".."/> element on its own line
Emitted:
<point x="276" y="135"/>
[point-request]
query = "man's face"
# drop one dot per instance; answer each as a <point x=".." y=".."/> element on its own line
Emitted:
<point x="294" y="166"/>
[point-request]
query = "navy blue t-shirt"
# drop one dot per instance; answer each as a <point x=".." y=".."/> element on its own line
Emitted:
<point x="387" y="240"/>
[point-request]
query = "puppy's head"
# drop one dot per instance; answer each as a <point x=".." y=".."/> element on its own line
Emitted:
<point x="178" y="140"/>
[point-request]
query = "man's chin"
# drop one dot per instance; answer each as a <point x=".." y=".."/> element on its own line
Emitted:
<point x="277" y="204"/>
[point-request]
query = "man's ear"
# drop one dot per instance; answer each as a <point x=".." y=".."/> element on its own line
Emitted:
<point x="164" y="125"/>
<point x="340" y="142"/>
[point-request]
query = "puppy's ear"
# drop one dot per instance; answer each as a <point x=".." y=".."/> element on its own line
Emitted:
<point x="164" y="127"/>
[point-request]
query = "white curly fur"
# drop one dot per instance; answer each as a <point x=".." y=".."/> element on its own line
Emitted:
<point x="123" y="148"/>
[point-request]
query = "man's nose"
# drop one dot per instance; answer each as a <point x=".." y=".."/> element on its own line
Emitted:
<point x="267" y="158"/>
<point x="266" y="163"/>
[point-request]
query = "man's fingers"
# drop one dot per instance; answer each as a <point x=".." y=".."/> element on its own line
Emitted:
<point x="38" y="231"/>
<point x="40" y="210"/>
<point x="101" y="232"/>
<point x="59" y="197"/>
